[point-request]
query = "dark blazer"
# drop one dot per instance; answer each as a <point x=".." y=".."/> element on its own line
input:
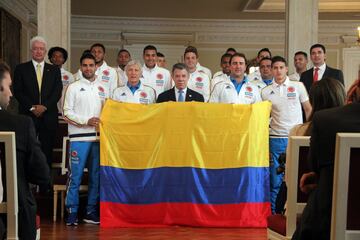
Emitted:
<point x="316" y="218"/>
<point x="307" y="77"/>
<point x="26" y="91"/>
<point x="169" y="95"/>
<point x="31" y="168"/>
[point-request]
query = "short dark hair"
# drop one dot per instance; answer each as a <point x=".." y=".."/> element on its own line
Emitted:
<point x="278" y="59"/>
<point x="4" y="68"/>
<point x="149" y="47"/>
<point x="179" y="66"/>
<point x="265" y="58"/>
<point x="58" y="49"/>
<point x="87" y="55"/>
<point x="159" y="54"/>
<point x="224" y="56"/>
<point x="238" y="55"/>
<point x="192" y="50"/>
<point x="230" y="49"/>
<point x="264" y="50"/>
<point x="124" y="50"/>
<point x="318" y="45"/>
<point x="98" y="45"/>
<point x="301" y="53"/>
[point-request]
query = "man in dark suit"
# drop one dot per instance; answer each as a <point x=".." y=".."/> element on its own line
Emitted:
<point x="316" y="218"/>
<point x="180" y="93"/>
<point x="320" y="69"/>
<point x="31" y="162"/>
<point x="38" y="87"/>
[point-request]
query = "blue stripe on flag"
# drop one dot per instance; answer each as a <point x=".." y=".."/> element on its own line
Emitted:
<point x="184" y="184"/>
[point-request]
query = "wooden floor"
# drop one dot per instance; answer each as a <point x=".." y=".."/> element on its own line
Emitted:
<point x="59" y="230"/>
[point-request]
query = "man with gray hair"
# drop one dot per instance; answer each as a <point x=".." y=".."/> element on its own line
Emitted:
<point x="134" y="91"/>
<point x="38" y="88"/>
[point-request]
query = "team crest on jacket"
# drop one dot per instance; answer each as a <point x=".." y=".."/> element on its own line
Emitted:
<point x="249" y="89"/>
<point x="199" y="79"/>
<point x="66" y="77"/>
<point x="143" y="94"/>
<point x="291" y="94"/>
<point x="106" y="72"/>
<point x="101" y="89"/>
<point x="74" y="153"/>
<point x="159" y="76"/>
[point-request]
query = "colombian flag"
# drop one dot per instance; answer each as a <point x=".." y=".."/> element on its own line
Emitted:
<point x="189" y="163"/>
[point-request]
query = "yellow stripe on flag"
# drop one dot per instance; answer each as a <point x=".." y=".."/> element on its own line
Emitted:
<point x="190" y="134"/>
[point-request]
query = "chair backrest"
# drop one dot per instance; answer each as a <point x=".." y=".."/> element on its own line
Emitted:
<point x="65" y="159"/>
<point x="296" y="162"/>
<point x="8" y="162"/>
<point x="345" y="219"/>
<point x="61" y="131"/>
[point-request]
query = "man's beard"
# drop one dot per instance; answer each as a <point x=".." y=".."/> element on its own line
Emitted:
<point x="88" y="77"/>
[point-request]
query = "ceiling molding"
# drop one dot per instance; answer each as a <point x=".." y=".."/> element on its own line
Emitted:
<point x="116" y="30"/>
<point x="24" y="10"/>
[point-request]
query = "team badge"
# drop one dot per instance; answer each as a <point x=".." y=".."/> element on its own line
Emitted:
<point x="66" y="77"/>
<point x="291" y="89"/>
<point x="199" y="79"/>
<point x="106" y="72"/>
<point x="249" y="89"/>
<point x="74" y="153"/>
<point x="101" y="89"/>
<point x="159" y="76"/>
<point x="143" y="94"/>
<point x="291" y="93"/>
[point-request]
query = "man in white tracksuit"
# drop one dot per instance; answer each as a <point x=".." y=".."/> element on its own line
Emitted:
<point x="106" y="74"/>
<point x="122" y="59"/>
<point x="134" y="91"/>
<point x="152" y="75"/>
<point x="225" y="70"/>
<point x="82" y="107"/>
<point x="58" y="57"/>
<point x="238" y="89"/>
<point x="199" y="81"/>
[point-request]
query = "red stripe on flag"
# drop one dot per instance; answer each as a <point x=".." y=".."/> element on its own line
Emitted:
<point x="165" y="214"/>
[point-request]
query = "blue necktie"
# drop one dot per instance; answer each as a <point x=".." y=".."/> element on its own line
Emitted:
<point x="181" y="96"/>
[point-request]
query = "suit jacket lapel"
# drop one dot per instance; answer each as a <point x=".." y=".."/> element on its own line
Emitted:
<point x="326" y="72"/>
<point x="172" y="95"/>
<point x="189" y="96"/>
<point x="44" y="77"/>
<point x="33" y="77"/>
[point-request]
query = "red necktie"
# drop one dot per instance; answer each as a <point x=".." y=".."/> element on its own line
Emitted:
<point x="316" y="75"/>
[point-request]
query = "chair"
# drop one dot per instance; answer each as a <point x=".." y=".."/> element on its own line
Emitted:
<point x="61" y="132"/>
<point x="8" y="163"/>
<point x="345" y="219"/>
<point x="60" y="182"/>
<point x="281" y="226"/>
